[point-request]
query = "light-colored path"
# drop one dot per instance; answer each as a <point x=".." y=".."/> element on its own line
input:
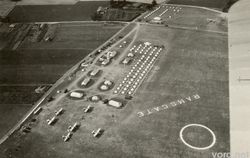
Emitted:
<point x="189" y="28"/>
<point x="79" y="22"/>
<point x="239" y="63"/>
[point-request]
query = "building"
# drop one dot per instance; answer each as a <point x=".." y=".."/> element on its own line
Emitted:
<point x="126" y="61"/>
<point x="112" y="54"/>
<point x="105" y="62"/>
<point x="108" y="83"/>
<point x="94" y="72"/>
<point x="85" y="82"/>
<point x="115" y="104"/>
<point x="104" y="87"/>
<point x="76" y="94"/>
<point x="157" y="20"/>
<point x="101" y="10"/>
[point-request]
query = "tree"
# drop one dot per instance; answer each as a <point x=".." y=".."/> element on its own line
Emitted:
<point x="112" y="3"/>
<point x="154" y="3"/>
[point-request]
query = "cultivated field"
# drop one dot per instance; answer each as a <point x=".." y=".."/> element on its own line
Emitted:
<point x="42" y="63"/>
<point x="80" y="11"/>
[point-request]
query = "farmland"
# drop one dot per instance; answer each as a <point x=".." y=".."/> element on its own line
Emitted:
<point x="81" y="11"/>
<point x="120" y="15"/>
<point x="35" y="64"/>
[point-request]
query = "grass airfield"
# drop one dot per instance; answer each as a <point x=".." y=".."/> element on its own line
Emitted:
<point x="188" y="84"/>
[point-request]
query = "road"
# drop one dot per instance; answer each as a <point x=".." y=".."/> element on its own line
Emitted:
<point x="25" y="85"/>
<point x="80" y="22"/>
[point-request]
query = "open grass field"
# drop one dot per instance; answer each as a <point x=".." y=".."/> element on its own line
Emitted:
<point x="217" y="4"/>
<point x="185" y="16"/>
<point x="188" y="84"/>
<point x="80" y="11"/>
<point x="35" y="64"/>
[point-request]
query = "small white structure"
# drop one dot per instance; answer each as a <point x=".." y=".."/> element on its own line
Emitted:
<point x="94" y="72"/>
<point x="104" y="87"/>
<point x="157" y="20"/>
<point x="101" y="59"/>
<point x="130" y="55"/>
<point x="85" y="82"/>
<point x="95" y="98"/>
<point x="108" y="82"/>
<point x="12" y="25"/>
<point x="115" y="104"/>
<point x="76" y="94"/>
<point x="105" y="62"/>
<point x="112" y="54"/>
<point x="126" y="60"/>
<point x="84" y="64"/>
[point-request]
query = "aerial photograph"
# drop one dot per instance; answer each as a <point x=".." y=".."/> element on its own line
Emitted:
<point x="124" y="78"/>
